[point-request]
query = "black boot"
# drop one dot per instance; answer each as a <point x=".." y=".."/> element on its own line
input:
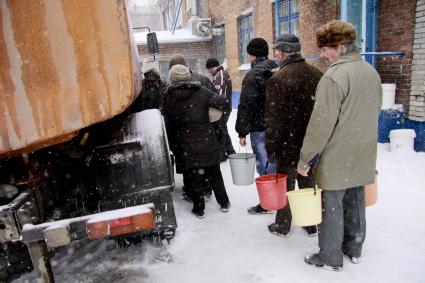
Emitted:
<point x="257" y="209"/>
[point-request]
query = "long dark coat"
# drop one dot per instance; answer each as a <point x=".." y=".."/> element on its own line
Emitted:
<point x="251" y="109"/>
<point x="290" y="101"/>
<point x="191" y="135"/>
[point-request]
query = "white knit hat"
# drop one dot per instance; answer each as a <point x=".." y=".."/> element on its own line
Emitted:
<point x="179" y="73"/>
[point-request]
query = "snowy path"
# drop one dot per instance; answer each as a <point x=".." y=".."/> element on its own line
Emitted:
<point x="236" y="247"/>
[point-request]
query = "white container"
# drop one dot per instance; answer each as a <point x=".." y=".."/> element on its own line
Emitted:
<point x="388" y="96"/>
<point x="402" y="140"/>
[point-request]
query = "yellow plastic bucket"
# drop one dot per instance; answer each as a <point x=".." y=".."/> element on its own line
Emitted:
<point x="306" y="206"/>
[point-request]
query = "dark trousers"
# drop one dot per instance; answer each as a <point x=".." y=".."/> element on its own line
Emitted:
<point x="198" y="179"/>
<point x="284" y="215"/>
<point x="343" y="227"/>
<point x="223" y="136"/>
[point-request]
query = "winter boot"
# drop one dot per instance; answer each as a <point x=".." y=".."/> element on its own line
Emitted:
<point x="185" y="197"/>
<point x="257" y="209"/>
<point x="199" y="214"/>
<point x="352" y="259"/>
<point x="311" y="230"/>
<point x="226" y="207"/>
<point x="207" y="197"/>
<point x="314" y="260"/>
<point x="277" y="230"/>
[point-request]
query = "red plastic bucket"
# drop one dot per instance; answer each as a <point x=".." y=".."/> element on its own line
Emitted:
<point x="272" y="191"/>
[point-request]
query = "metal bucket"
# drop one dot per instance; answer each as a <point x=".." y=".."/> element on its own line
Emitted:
<point x="242" y="166"/>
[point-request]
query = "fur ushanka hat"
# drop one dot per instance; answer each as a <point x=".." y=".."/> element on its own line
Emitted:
<point x="334" y="33"/>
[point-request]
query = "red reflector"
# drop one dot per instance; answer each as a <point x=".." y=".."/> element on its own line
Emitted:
<point x="121" y="226"/>
<point x="120" y="222"/>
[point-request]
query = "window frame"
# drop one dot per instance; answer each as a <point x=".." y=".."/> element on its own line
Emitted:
<point x="290" y="16"/>
<point x="249" y="30"/>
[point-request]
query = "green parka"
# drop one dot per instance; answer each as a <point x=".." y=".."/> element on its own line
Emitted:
<point x="343" y="127"/>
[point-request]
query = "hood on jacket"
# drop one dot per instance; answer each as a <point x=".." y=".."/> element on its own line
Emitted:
<point x="262" y="67"/>
<point x="183" y="89"/>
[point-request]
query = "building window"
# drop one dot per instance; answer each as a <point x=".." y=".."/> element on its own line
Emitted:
<point x="164" y="69"/>
<point x="363" y="15"/>
<point x="287" y="17"/>
<point x="245" y="35"/>
<point x="221" y="47"/>
<point x="192" y="64"/>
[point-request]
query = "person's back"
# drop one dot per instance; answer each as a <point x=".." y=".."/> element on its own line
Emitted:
<point x="290" y="99"/>
<point x="194" y="140"/>
<point x="192" y="137"/>
<point x="251" y="109"/>
<point x="354" y="138"/>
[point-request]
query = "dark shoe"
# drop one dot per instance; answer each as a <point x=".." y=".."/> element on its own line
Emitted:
<point x="257" y="210"/>
<point x="207" y="197"/>
<point x="311" y="230"/>
<point x="199" y="214"/>
<point x="276" y="229"/>
<point x="352" y="259"/>
<point x="225" y="208"/>
<point x="185" y="197"/>
<point x="314" y="259"/>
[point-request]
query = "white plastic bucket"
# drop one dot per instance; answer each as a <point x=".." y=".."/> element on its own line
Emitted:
<point x="388" y="96"/>
<point x="402" y="140"/>
<point x="242" y="166"/>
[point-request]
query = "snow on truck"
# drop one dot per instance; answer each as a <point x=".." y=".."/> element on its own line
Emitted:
<point x="73" y="163"/>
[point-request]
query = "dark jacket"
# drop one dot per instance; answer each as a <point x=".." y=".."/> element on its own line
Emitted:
<point x="150" y="97"/>
<point x="203" y="80"/>
<point x="251" y="110"/>
<point x="191" y="135"/>
<point x="290" y="101"/>
<point x="223" y="85"/>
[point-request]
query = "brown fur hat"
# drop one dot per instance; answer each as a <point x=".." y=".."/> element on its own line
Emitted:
<point x="334" y="33"/>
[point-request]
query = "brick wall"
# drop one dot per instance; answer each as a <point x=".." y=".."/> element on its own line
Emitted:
<point x="395" y="33"/>
<point x="314" y="14"/>
<point x="200" y="51"/>
<point x="263" y="26"/>
<point x="417" y="94"/>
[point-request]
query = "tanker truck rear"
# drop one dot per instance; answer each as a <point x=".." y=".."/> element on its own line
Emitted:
<point x="73" y="163"/>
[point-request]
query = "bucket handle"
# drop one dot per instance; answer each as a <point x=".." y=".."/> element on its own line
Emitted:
<point x="312" y="163"/>
<point x="246" y="152"/>
<point x="265" y="171"/>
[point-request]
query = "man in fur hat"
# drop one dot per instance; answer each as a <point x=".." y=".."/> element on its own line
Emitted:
<point x="342" y="132"/>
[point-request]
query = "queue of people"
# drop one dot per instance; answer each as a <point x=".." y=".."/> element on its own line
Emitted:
<point x="296" y="117"/>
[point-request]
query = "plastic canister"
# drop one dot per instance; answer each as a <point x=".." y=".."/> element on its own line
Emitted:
<point x="402" y="140"/>
<point x="388" y="96"/>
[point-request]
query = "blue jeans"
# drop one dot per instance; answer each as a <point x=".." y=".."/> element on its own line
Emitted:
<point x="258" y="143"/>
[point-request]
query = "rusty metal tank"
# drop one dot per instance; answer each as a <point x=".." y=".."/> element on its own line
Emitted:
<point x="64" y="65"/>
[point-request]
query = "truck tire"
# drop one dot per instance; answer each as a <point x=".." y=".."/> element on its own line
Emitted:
<point x="14" y="261"/>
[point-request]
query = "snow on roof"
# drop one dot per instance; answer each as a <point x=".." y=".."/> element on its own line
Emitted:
<point x="166" y="36"/>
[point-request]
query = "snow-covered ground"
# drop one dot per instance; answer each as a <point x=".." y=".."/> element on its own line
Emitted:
<point x="237" y="247"/>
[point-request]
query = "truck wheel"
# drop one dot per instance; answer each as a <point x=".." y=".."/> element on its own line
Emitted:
<point x="14" y="261"/>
